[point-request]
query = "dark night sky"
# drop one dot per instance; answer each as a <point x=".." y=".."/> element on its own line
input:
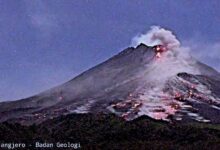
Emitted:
<point x="45" y="43"/>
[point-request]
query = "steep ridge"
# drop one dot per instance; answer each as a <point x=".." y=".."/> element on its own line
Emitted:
<point x="133" y="83"/>
<point x="96" y="81"/>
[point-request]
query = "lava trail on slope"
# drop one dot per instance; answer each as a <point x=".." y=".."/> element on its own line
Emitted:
<point x="161" y="81"/>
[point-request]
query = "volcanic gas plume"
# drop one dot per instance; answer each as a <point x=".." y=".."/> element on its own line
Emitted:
<point x="171" y="59"/>
<point x="174" y="57"/>
<point x="157" y="77"/>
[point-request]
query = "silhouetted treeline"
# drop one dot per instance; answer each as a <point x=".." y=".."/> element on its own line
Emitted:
<point x="110" y="132"/>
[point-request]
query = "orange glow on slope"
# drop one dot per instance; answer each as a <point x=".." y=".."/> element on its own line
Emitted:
<point x="159" y="49"/>
<point x="158" y="55"/>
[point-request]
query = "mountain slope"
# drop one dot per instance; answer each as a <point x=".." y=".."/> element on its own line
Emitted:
<point x="130" y="84"/>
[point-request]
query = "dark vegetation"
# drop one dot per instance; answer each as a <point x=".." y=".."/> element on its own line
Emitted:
<point x="110" y="132"/>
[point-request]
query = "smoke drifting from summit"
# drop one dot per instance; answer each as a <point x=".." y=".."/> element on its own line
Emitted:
<point x="156" y="36"/>
<point x="177" y="59"/>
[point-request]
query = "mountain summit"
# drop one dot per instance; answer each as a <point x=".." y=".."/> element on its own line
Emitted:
<point x="136" y="82"/>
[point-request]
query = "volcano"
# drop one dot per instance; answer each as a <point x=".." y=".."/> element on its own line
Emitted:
<point x="130" y="84"/>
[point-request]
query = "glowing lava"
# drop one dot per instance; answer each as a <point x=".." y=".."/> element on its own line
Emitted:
<point x="159" y="49"/>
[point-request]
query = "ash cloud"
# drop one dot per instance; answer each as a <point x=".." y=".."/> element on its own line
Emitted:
<point x="155" y="36"/>
<point x="209" y="53"/>
<point x="177" y="59"/>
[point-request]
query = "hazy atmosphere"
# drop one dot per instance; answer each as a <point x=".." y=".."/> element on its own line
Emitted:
<point x="46" y="43"/>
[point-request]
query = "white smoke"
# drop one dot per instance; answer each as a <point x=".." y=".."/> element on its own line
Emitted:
<point x="209" y="53"/>
<point x="155" y="36"/>
<point x="177" y="59"/>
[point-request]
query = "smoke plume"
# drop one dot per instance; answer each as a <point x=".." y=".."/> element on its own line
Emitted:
<point x="177" y="59"/>
<point x="155" y="36"/>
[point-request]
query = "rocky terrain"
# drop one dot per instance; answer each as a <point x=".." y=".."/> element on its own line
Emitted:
<point x="133" y="83"/>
